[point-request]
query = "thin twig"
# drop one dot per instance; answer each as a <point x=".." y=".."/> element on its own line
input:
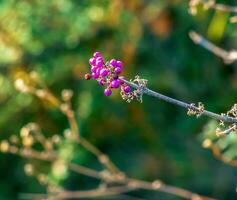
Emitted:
<point x="181" y="103"/>
<point x="85" y="171"/>
<point x="130" y="183"/>
<point x="113" y="174"/>
<point x="94" y="193"/>
<point x="211" y="4"/>
<point x="217" y="153"/>
<point x="227" y="56"/>
<point x="52" y="156"/>
<point x="103" y="158"/>
<point x="65" y="108"/>
<point x="221" y="7"/>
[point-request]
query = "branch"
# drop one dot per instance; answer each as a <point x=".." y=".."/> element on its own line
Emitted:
<point x="227" y="56"/>
<point x="217" y="153"/>
<point x="93" y="193"/>
<point x="181" y="103"/>
<point x="112" y="174"/>
<point x="213" y="5"/>
<point x="128" y="183"/>
<point x="224" y="8"/>
<point x="65" y="108"/>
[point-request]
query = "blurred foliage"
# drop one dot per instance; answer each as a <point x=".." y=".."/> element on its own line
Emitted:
<point x="225" y="147"/>
<point x="56" y="38"/>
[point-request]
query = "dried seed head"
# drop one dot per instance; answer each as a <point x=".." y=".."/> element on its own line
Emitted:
<point x="67" y="95"/>
<point x="13" y="149"/>
<point x="59" y="168"/>
<point x="24" y="132"/>
<point x="21" y="86"/>
<point x="4" y="146"/>
<point x="34" y="76"/>
<point x="28" y="141"/>
<point x="14" y="139"/>
<point x="156" y="184"/>
<point x="233" y="19"/>
<point x="207" y="143"/>
<point x="43" y="179"/>
<point x="41" y="93"/>
<point x="64" y="107"/>
<point x="56" y="139"/>
<point x="29" y="169"/>
<point x="68" y="133"/>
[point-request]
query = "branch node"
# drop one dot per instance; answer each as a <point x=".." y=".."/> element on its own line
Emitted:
<point x="193" y="110"/>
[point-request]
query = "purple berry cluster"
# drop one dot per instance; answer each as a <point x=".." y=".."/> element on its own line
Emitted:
<point x="107" y="74"/>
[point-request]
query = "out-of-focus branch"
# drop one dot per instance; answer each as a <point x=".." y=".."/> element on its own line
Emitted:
<point x="93" y="193"/>
<point x="102" y="158"/>
<point x="211" y="4"/>
<point x="117" y="176"/>
<point x="65" y="108"/>
<point x="223" y="7"/>
<point x="127" y="184"/>
<point x="111" y="174"/>
<point x="217" y="153"/>
<point x="227" y="56"/>
<point x="116" y="190"/>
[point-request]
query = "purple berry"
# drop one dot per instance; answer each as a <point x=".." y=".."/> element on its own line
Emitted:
<point x="94" y="68"/>
<point x="101" y="82"/>
<point x="104" y="72"/>
<point x="97" y="54"/>
<point x="98" y="70"/>
<point x="107" y="92"/>
<point x="119" y="64"/>
<point x="100" y="58"/>
<point x="117" y="70"/>
<point x="99" y="63"/>
<point x="95" y="75"/>
<point x="127" y="89"/>
<point x="92" y="61"/>
<point x="113" y="62"/>
<point x="115" y="83"/>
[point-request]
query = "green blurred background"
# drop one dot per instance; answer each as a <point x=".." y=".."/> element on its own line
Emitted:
<point x="150" y="140"/>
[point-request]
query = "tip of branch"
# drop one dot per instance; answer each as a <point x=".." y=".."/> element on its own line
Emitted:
<point x="195" y="37"/>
